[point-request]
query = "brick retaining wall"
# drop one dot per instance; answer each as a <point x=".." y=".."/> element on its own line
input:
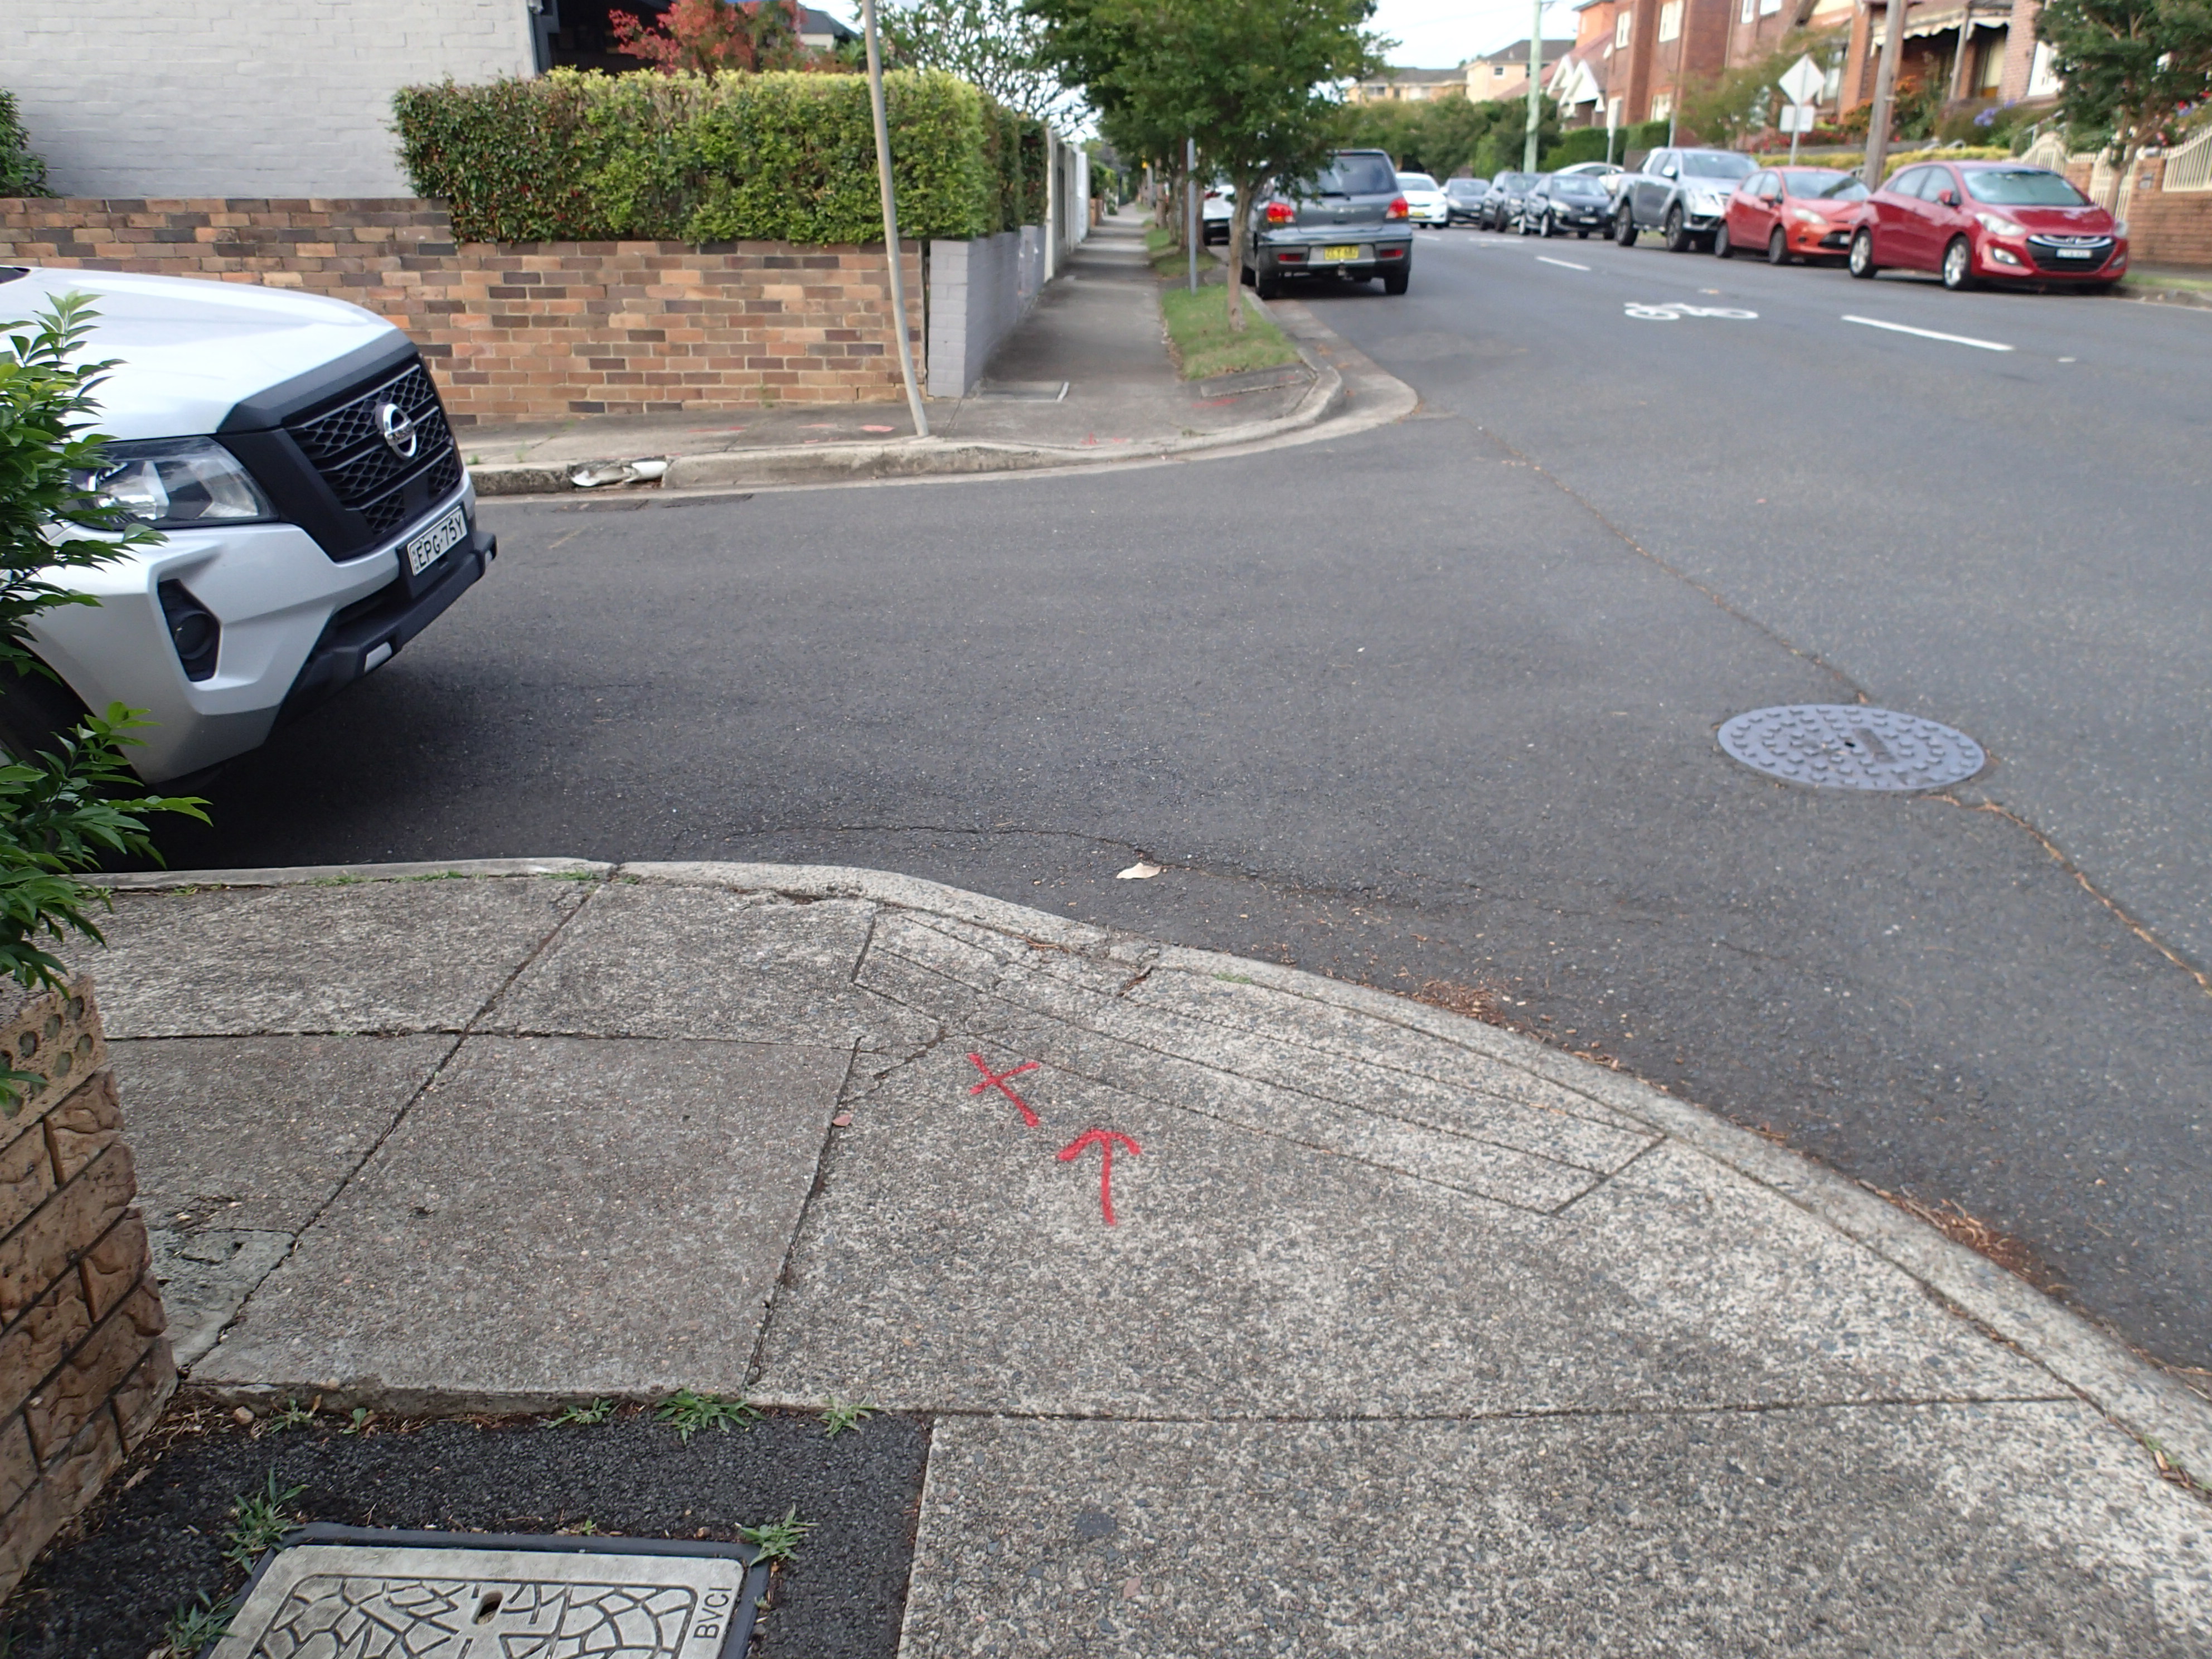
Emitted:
<point x="84" y="1368"/>
<point x="527" y="331"/>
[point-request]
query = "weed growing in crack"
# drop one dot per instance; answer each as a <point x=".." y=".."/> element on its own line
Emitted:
<point x="359" y="1422"/>
<point x="837" y="1417"/>
<point x="778" y="1541"/>
<point x="687" y="1413"/>
<point x="193" y="1625"/>
<point x="585" y="1417"/>
<point x="290" y="1415"/>
<point x="258" y="1519"/>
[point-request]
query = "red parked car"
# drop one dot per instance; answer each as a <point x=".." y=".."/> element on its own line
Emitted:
<point x="1979" y="222"/>
<point x="1791" y="213"/>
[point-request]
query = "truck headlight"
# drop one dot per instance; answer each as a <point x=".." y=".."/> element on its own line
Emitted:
<point x="173" y="484"/>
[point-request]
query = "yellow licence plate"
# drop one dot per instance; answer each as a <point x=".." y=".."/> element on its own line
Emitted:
<point x="1333" y="253"/>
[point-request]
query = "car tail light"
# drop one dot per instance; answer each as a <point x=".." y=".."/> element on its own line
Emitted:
<point x="1291" y="257"/>
<point x="1280" y="213"/>
<point x="1389" y="253"/>
<point x="1398" y="209"/>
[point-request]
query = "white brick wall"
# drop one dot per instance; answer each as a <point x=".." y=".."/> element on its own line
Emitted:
<point x="279" y="98"/>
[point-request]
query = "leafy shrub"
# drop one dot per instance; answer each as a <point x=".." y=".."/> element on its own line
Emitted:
<point x="786" y="157"/>
<point x="61" y="812"/>
<point x="1583" y="144"/>
<point x="21" y="173"/>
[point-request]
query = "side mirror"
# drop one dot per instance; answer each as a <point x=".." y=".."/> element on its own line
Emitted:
<point x="1950" y="199"/>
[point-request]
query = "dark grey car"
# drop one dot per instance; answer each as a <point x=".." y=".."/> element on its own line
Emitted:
<point x="1463" y="200"/>
<point x="1561" y="201"/>
<point x="1501" y="206"/>
<point x="1350" y="221"/>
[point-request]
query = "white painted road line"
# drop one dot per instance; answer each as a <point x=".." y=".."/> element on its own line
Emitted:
<point x="1929" y="334"/>
<point x="1564" y="264"/>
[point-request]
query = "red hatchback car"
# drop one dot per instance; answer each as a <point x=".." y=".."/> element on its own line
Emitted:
<point x="1989" y="221"/>
<point x="1791" y="213"/>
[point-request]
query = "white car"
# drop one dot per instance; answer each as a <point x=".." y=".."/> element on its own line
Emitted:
<point x="1215" y="209"/>
<point x="314" y="511"/>
<point x="1426" y="201"/>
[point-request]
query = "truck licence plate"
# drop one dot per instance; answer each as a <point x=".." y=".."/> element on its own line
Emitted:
<point x="1336" y="254"/>
<point x="426" y="549"/>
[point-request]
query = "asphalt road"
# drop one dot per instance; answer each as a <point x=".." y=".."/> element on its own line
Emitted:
<point x="1433" y="707"/>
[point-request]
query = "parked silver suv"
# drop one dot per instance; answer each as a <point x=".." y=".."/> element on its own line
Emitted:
<point x="1350" y="223"/>
<point x="1682" y="193"/>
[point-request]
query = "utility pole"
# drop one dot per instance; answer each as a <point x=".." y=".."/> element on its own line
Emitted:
<point x="1885" y="83"/>
<point x="890" y="219"/>
<point x="1681" y="56"/>
<point x="1536" y="87"/>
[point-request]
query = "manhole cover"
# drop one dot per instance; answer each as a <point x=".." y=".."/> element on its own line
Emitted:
<point x="1847" y="747"/>
<point x="372" y="1594"/>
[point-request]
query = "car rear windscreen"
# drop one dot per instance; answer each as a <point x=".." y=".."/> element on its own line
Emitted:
<point x="1357" y="176"/>
<point x="1715" y="164"/>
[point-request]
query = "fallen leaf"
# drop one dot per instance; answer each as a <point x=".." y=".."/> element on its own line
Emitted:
<point x="1137" y="871"/>
<point x="878" y="429"/>
<point x="843" y="1120"/>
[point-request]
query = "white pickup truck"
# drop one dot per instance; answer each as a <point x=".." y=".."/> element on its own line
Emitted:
<point x="315" y="513"/>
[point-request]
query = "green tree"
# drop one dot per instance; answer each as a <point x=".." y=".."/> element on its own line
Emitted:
<point x="1252" y="81"/>
<point x="1740" y="103"/>
<point x="2130" y="66"/>
<point x="61" y="811"/>
<point x="991" y="44"/>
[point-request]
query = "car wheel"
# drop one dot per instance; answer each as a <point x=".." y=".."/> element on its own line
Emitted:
<point x="1267" y="287"/>
<point x="1778" y="247"/>
<point x="1677" y="233"/>
<point x="1862" y="255"/>
<point x="1547" y="229"/>
<point x="1582" y="236"/>
<point x="1624" y="227"/>
<point x="1959" y="265"/>
<point x="1396" y="281"/>
<point x="1722" y="247"/>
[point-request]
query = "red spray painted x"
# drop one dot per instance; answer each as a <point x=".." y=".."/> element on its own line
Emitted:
<point x="998" y="1081"/>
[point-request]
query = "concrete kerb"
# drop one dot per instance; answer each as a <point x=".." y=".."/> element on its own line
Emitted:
<point x="913" y="458"/>
<point x="2151" y="1406"/>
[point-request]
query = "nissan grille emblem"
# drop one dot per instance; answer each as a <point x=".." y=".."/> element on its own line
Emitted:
<point x="398" y="430"/>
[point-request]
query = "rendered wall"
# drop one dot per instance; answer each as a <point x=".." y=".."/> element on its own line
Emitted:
<point x="978" y="291"/>
<point x="289" y="98"/>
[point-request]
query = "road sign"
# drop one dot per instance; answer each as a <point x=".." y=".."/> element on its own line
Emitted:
<point x="1801" y="82"/>
<point x="1797" y="118"/>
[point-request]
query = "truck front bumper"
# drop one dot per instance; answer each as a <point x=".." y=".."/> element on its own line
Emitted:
<point x="297" y="627"/>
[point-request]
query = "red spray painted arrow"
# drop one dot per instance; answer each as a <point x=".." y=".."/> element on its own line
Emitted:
<point x="1105" y="1138"/>
<point x="998" y="1081"/>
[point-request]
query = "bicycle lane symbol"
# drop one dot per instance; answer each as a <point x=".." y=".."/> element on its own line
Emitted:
<point x="1674" y="310"/>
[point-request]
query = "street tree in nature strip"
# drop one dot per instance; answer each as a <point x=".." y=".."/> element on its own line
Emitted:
<point x="1250" y="79"/>
<point x="2132" y="67"/>
<point x="991" y="44"/>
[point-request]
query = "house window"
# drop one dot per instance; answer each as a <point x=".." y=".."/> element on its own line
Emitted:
<point x="1621" y="30"/>
<point x="1746" y="17"/>
<point x="1768" y="8"/>
<point x="1663" y="106"/>
<point x="1670" y="20"/>
<point x="1498" y="71"/>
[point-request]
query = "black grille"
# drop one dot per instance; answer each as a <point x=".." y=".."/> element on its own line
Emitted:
<point x="346" y="445"/>
<point x="2047" y="258"/>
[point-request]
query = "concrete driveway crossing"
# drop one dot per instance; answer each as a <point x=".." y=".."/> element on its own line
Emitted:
<point x="1403" y="1330"/>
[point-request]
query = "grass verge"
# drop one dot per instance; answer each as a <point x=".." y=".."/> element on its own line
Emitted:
<point x="2165" y="280"/>
<point x="1198" y="336"/>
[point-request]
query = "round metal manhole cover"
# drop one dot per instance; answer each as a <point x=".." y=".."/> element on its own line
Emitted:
<point x="1847" y="747"/>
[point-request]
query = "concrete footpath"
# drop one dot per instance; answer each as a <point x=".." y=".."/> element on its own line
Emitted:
<point x="1084" y="379"/>
<point x="1254" y="1313"/>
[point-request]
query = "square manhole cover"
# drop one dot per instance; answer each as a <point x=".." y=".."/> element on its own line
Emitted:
<point x="351" y="1593"/>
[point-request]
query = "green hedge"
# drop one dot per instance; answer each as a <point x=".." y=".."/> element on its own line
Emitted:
<point x="586" y="157"/>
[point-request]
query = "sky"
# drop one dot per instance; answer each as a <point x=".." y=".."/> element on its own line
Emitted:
<point x="1439" y="33"/>
<point x="1430" y="33"/>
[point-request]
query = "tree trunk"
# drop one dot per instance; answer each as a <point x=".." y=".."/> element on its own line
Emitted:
<point x="1247" y="186"/>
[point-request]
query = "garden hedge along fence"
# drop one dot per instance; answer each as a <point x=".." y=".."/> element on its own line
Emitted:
<point x="789" y="157"/>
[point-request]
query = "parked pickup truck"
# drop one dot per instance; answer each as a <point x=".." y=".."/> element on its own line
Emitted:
<point x="1681" y="193"/>
<point x="314" y="513"/>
